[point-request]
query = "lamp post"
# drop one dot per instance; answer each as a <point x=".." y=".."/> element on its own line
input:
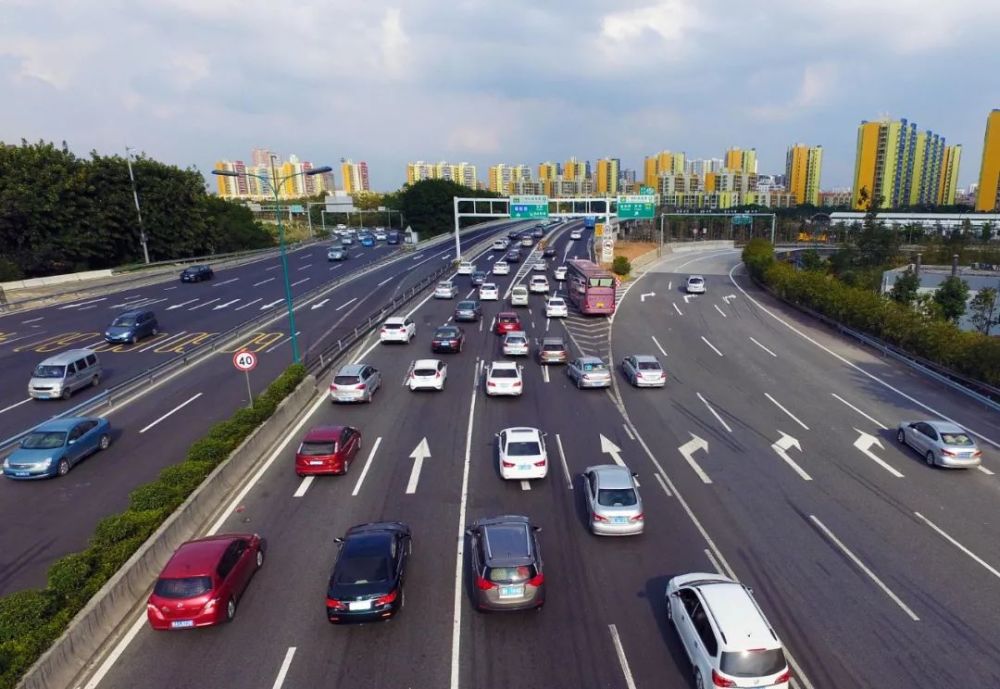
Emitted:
<point x="275" y="185"/>
<point x="138" y="212"/>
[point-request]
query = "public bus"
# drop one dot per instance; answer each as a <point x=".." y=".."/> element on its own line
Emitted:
<point x="591" y="289"/>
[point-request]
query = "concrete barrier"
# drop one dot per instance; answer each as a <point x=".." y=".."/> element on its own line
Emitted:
<point x="117" y="603"/>
<point x="56" y="279"/>
<point x="680" y="247"/>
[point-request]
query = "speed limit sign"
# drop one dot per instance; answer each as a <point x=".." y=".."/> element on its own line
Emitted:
<point x="245" y="360"/>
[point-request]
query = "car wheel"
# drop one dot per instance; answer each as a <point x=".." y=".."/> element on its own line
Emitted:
<point x="929" y="458"/>
<point x="62" y="468"/>
<point x="260" y="558"/>
<point x="66" y="393"/>
<point x="231" y="610"/>
<point x="670" y="612"/>
<point x="95" y="381"/>
<point x="901" y="437"/>
<point x="155" y="332"/>
<point x="579" y="385"/>
<point x="132" y="340"/>
<point x="104" y="442"/>
<point x="699" y="681"/>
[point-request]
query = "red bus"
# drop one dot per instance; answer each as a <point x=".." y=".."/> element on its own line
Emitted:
<point x="591" y="288"/>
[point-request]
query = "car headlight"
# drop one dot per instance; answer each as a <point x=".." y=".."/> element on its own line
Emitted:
<point x="6" y="462"/>
<point x="45" y="463"/>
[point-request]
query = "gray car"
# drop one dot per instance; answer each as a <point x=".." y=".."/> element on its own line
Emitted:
<point x="644" y="371"/>
<point x="506" y="564"/>
<point x="613" y="501"/>
<point x="941" y="443"/>
<point x="589" y="372"/>
<point x="552" y="351"/>
<point x="355" y="383"/>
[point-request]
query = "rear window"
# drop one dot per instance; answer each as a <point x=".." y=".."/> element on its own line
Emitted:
<point x="503" y="575"/>
<point x="424" y="372"/>
<point x="526" y="448"/>
<point x="695" y="281"/>
<point x="446" y="332"/>
<point x="313" y="448"/>
<point x="503" y="373"/>
<point x="554" y="347"/>
<point x="508" y="319"/>
<point x="649" y="366"/>
<point x="393" y="326"/>
<point x="621" y="497"/>
<point x="959" y="439"/>
<point x="753" y="663"/>
<point x="517" y="339"/>
<point x="466" y="305"/>
<point x="124" y="322"/>
<point x="346" y="380"/>
<point x="185" y="587"/>
<point x="602" y="282"/>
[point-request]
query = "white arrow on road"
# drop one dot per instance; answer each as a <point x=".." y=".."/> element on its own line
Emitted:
<point x="782" y="445"/>
<point x="687" y="298"/>
<point x="728" y="297"/>
<point x="183" y="303"/>
<point x="865" y="442"/>
<point x="319" y="304"/>
<point x="273" y="303"/>
<point x="689" y="448"/>
<point x="419" y="454"/>
<point x="609" y="448"/>
<point x="222" y="306"/>
<point x="642" y="297"/>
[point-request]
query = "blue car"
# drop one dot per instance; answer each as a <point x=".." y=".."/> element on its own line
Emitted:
<point x="53" y="448"/>
<point x="367" y="240"/>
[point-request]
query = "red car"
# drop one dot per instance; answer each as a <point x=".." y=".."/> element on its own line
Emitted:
<point x="507" y="321"/>
<point x="327" y="450"/>
<point x="203" y="581"/>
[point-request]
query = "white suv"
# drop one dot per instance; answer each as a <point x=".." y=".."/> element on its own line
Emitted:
<point x="501" y="268"/>
<point x="397" y="329"/>
<point x="727" y="638"/>
<point x="445" y="290"/>
<point x="539" y="284"/>
<point x="465" y="268"/>
<point x="695" y="285"/>
<point x="427" y="374"/>
<point x="519" y="296"/>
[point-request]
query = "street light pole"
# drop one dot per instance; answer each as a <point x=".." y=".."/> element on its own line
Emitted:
<point x="138" y="212"/>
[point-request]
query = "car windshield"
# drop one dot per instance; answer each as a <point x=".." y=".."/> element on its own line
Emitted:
<point x="50" y="371"/>
<point x="517" y="339"/>
<point x="958" y="439"/>
<point x="313" y="448"/>
<point x="424" y="372"/>
<point x="346" y="380"/>
<point x="763" y="663"/>
<point x="361" y="569"/>
<point x="124" y="322"/>
<point x="524" y="448"/>
<point x="695" y="281"/>
<point x="510" y="574"/>
<point x="44" y="440"/>
<point x="503" y="373"/>
<point x="556" y="302"/>
<point x="620" y="497"/>
<point x="183" y="587"/>
<point x="649" y="366"/>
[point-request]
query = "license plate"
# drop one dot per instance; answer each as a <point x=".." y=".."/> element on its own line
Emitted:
<point x="316" y="462"/>
<point x="512" y="591"/>
<point x="22" y="473"/>
<point x="181" y="624"/>
<point x="524" y="467"/>
<point x="619" y="520"/>
<point x="359" y="605"/>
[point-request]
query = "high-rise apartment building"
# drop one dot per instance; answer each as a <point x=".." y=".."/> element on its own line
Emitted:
<point x="606" y="179"/>
<point x="256" y="181"/>
<point x="741" y="159"/>
<point x="949" y="175"/>
<point x="462" y="173"/>
<point x="703" y="166"/>
<point x="988" y="189"/>
<point x="802" y="171"/>
<point x="503" y="178"/>
<point x="663" y="163"/>
<point x="355" y="175"/>
<point x="575" y="169"/>
<point x="548" y="172"/>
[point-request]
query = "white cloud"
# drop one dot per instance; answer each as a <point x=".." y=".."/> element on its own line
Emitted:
<point x="626" y="34"/>
<point x="817" y="82"/>
<point x="395" y="44"/>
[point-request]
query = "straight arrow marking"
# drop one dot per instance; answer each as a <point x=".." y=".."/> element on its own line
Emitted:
<point x="608" y="447"/>
<point x="865" y="442"/>
<point x="319" y="304"/>
<point x="222" y="306"/>
<point x="782" y="445"/>
<point x="419" y="454"/>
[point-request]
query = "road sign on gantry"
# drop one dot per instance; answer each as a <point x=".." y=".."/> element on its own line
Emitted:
<point x="742" y="219"/>
<point x="529" y="206"/>
<point x="245" y="360"/>
<point x="638" y="206"/>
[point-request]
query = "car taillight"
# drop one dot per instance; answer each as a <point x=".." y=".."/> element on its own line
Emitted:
<point x="977" y="453"/>
<point x="540" y="463"/>
<point x="517" y="384"/>
<point x="537" y="580"/>
<point x="334" y="604"/>
<point x="360" y="386"/>
<point x="785" y="676"/>
<point x="387" y="598"/>
<point x="210" y="606"/>
<point x="484" y="584"/>
<point x="599" y="518"/>
<point x="507" y="464"/>
<point x="153" y="610"/>
<point x="720" y="681"/>
<point x="637" y="518"/>
<point x="453" y="342"/>
<point x="490" y="384"/>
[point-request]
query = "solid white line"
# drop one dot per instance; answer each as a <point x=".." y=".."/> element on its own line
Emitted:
<point x="388" y="279"/>
<point x="172" y="412"/>
<point x="285" y="664"/>
<point x="790" y="414"/>
<point x="714" y="413"/>
<point x="985" y="470"/>
<point x="565" y="466"/>
<point x="308" y="265"/>
<point x="299" y="282"/>
<point x="622" y="660"/>
<point x="659" y="479"/>
<point x="346" y="304"/>
<point x="525" y="485"/>
<point x="18" y="404"/>
<point x="33" y="320"/>
<point x="658" y="345"/>
<point x="676" y="308"/>
<point x="764" y="348"/>
<point x="715" y="563"/>
<point x="857" y="561"/>
<point x="368" y="463"/>
<point x="303" y="487"/>
<point x="545" y="373"/>
<point x="720" y="311"/>
<point x="160" y="343"/>
<point x="262" y="282"/>
<point x="874" y="421"/>
<point x="711" y="345"/>
<point x="249" y="303"/>
<point x="274" y="347"/>
<point x="273" y="267"/>
<point x="976" y="558"/>
<point x="628" y="432"/>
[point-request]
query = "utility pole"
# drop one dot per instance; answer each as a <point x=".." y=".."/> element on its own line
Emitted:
<point x="138" y="212"/>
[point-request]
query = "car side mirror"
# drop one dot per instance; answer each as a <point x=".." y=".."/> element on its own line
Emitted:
<point x="338" y="539"/>
<point x="536" y="529"/>
<point x="468" y="532"/>
<point x="71" y="441"/>
<point x="635" y="475"/>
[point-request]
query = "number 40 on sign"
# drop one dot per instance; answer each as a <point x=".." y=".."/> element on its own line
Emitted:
<point x="246" y="361"/>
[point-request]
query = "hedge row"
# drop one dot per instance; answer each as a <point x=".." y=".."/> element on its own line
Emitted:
<point x="969" y="353"/>
<point x="31" y="620"/>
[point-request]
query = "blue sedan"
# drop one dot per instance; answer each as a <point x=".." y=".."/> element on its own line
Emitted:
<point x="54" y="447"/>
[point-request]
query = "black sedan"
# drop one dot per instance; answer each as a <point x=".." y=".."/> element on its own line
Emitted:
<point x="478" y="278"/>
<point x="513" y="256"/>
<point x="448" y="338"/>
<point x="468" y="310"/>
<point x="197" y="274"/>
<point x="367" y="579"/>
<point x="549" y="252"/>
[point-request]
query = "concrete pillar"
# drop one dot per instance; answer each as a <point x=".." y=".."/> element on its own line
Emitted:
<point x="916" y="265"/>
<point x="954" y="264"/>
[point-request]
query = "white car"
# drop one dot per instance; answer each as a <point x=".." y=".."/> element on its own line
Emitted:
<point x="488" y="291"/>
<point x="465" y="267"/>
<point x="539" y="284"/>
<point x="695" y="285"/>
<point x="560" y="273"/>
<point x="515" y="343"/>
<point x="427" y="374"/>
<point x="347" y="239"/>
<point x="397" y="329"/>
<point x="575" y="234"/>
<point x="445" y="290"/>
<point x="341" y="226"/>
<point x="519" y="296"/>
<point x="500" y="245"/>
<point x="501" y="268"/>
<point x="539" y="266"/>
<point x="555" y="307"/>
<point x="526" y="241"/>
<point x="504" y="378"/>
<point x="380" y="235"/>
<point x="522" y="454"/>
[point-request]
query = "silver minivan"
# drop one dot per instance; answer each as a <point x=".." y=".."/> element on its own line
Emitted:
<point x="61" y="375"/>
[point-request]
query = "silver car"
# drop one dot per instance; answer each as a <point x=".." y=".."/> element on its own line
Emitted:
<point x="515" y="343"/>
<point x="613" y="501"/>
<point x="589" y="372"/>
<point x="355" y="383"/>
<point x="941" y="443"/>
<point x="644" y="371"/>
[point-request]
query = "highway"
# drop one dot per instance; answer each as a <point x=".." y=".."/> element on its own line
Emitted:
<point x="758" y="459"/>
<point x="155" y="430"/>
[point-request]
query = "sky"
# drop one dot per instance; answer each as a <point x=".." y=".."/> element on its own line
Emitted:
<point x="190" y="82"/>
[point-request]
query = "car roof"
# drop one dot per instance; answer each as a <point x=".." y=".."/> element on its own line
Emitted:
<point x="539" y="278"/>
<point x="591" y="359"/>
<point x="507" y="314"/>
<point x="488" y="284"/>
<point x="612" y="476"/>
<point x="504" y="364"/>
<point x="395" y="320"/>
<point x="199" y="557"/>
<point x="647" y="358"/>
<point x="737" y="616"/>
<point x="323" y="434"/>
<point x="426" y="363"/>
<point x="132" y="312"/>
<point x="64" y="423"/>
<point x="945" y="426"/>
<point x="516" y="334"/>
<point x="555" y="298"/>
<point x="507" y="541"/>
<point x="351" y="370"/>
<point x="67" y="357"/>
<point x="376" y="527"/>
<point x="553" y="340"/>
<point x="521" y="288"/>
<point x="448" y="328"/>
<point x="522" y="433"/>
<point x="465" y="301"/>
<point x="695" y="277"/>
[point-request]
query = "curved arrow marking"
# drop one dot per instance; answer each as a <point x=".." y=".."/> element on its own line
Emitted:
<point x="688" y="449"/>
<point x="865" y="442"/>
<point x="782" y="445"/>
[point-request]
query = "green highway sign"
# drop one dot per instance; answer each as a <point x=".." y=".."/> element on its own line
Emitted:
<point x="647" y="191"/>
<point x="529" y="206"/>
<point x="742" y="219"/>
<point x="640" y="206"/>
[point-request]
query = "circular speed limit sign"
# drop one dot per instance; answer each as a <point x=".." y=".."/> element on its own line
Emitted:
<point x="245" y="360"/>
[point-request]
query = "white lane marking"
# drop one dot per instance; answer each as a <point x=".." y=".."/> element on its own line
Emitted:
<point x="658" y="345"/>
<point x="419" y="454"/>
<point x="565" y="466"/>
<point x="865" y="442"/>
<point x="547" y="321"/>
<point x="992" y="570"/>
<point x="790" y="414"/>
<point x="364" y="470"/>
<point x="471" y="292"/>
<point x="712" y="346"/>
<point x="167" y="289"/>
<point x="318" y="304"/>
<point x="182" y="304"/>
<point x="308" y="265"/>
<point x="305" y="256"/>
<point x="273" y="303"/>
<point x="15" y="405"/>
<point x="985" y="470"/>
<point x="274" y="347"/>
<point x="225" y="304"/>
<point x="204" y="304"/>
<point x="81" y="303"/>
<point x="764" y="348"/>
<point x="687" y="451"/>
<point x="532" y="325"/>
<point x="874" y="421"/>
<point x="160" y="343"/>
<point x="388" y="279"/>
<point x="262" y="282"/>
<point x="299" y="282"/>
<point x="34" y="320"/>
<point x="224" y="282"/>
<point x="481" y="325"/>
<point x="283" y="670"/>
<point x="857" y="368"/>
<point x="663" y="485"/>
<point x="670" y="285"/>
<point x="714" y="413"/>
<point x="172" y="412"/>
<point x="676" y="308"/>
<point x="346" y="304"/>
<point x="525" y="485"/>
<point x="545" y="373"/>
<point x="35" y="334"/>
<point x="628" y="432"/>
<point x="273" y="267"/>
<point x="781" y="447"/>
<point x="249" y="303"/>
<point x="303" y="487"/>
<point x="493" y="322"/>
<point x="622" y="660"/>
<point x="715" y="563"/>
<point x="864" y="568"/>
<point x="723" y="313"/>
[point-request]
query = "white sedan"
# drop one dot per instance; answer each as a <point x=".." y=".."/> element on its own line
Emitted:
<point x="560" y="273"/>
<point x="555" y="307"/>
<point x="539" y="266"/>
<point x="488" y="291"/>
<point x="522" y="454"/>
<point x="575" y="234"/>
<point x="504" y="378"/>
<point x="445" y="290"/>
<point x="695" y="285"/>
<point x="465" y="268"/>
<point x="427" y="374"/>
<point x="539" y="284"/>
<point x="501" y="268"/>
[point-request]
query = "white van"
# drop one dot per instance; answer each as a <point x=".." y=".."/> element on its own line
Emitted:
<point x="519" y="296"/>
<point x="59" y="376"/>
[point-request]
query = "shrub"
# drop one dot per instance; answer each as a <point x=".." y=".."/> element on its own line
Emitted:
<point x="621" y="266"/>
<point x="68" y="576"/>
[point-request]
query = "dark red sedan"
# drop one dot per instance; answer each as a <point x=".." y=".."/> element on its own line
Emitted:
<point x="203" y="581"/>
<point x="507" y="321"/>
<point x="448" y="338"/>
<point x="327" y="450"/>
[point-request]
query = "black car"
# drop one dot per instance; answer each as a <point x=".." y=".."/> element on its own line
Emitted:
<point x="513" y="256"/>
<point x="197" y="274"/>
<point x="549" y="252"/>
<point x="468" y="310"/>
<point x="478" y="278"/>
<point x="448" y="338"/>
<point x="367" y="578"/>
<point x="513" y="235"/>
<point x="538" y="233"/>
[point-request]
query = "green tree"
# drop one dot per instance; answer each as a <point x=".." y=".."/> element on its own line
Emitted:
<point x="812" y="261"/>
<point x="621" y="265"/>
<point x="952" y="296"/>
<point x="984" y="313"/>
<point x="904" y="289"/>
<point x="986" y="232"/>
<point x="429" y="207"/>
